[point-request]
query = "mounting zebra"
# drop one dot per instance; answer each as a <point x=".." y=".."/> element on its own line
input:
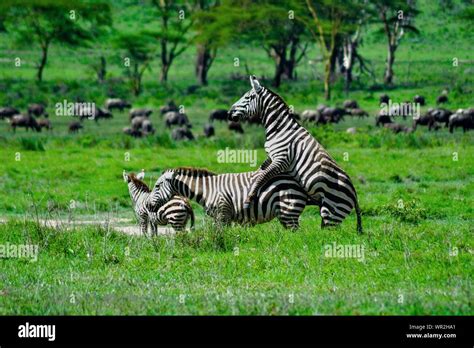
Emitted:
<point x="176" y="212"/>
<point x="292" y="149"/>
<point x="222" y="196"/>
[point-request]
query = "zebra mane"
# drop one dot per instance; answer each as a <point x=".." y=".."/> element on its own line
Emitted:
<point x="278" y="97"/>
<point x="138" y="183"/>
<point x="190" y="171"/>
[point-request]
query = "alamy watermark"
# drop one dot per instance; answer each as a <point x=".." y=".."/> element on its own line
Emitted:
<point x="66" y="108"/>
<point x="400" y="109"/>
<point x="355" y="251"/>
<point x="237" y="156"/>
<point x="13" y="251"/>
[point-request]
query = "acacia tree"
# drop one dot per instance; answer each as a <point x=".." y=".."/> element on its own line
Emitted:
<point x="175" y="22"/>
<point x="139" y="53"/>
<point x="397" y="17"/>
<point x="327" y="22"/>
<point x="43" y="23"/>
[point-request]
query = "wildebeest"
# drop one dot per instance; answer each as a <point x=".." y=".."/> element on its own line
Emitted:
<point x="462" y="118"/>
<point x="75" y="126"/>
<point x="219" y="115"/>
<point x="45" y="123"/>
<point x="310" y="116"/>
<point x="440" y="115"/>
<point x="235" y="127"/>
<point x="382" y="118"/>
<point x="25" y="121"/>
<point x="147" y="127"/>
<point x="8" y="111"/>
<point x="176" y="118"/>
<point x="350" y="104"/>
<point x="359" y="112"/>
<point x="170" y="106"/>
<point x="116" y="103"/>
<point x="209" y="130"/>
<point x="182" y="133"/>
<point x="384" y="99"/>
<point x="419" y="99"/>
<point x="398" y="128"/>
<point x="443" y="98"/>
<point x="140" y="112"/>
<point x="333" y="114"/>
<point x="37" y="110"/>
<point x="425" y="120"/>
<point x="136" y="133"/>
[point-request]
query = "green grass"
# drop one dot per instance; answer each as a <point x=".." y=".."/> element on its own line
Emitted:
<point x="416" y="198"/>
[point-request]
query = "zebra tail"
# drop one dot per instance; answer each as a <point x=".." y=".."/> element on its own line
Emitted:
<point x="359" y="218"/>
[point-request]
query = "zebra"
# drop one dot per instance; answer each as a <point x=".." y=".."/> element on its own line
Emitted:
<point x="222" y="196"/>
<point x="176" y="212"/>
<point x="292" y="149"/>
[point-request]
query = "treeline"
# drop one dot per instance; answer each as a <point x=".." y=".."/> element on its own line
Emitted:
<point x="283" y="29"/>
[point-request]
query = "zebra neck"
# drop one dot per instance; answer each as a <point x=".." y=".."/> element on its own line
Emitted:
<point x="277" y="120"/>
<point x="198" y="188"/>
<point x="137" y="195"/>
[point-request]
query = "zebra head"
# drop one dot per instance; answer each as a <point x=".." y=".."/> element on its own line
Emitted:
<point x="248" y="105"/>
<point x="162" y="192"/>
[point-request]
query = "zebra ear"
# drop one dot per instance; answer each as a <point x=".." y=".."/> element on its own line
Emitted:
<point x="255" y="84"/>
<point x="125" y="176"/>
<point x="141" y="175"/>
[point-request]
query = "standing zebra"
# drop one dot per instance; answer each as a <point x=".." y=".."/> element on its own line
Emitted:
<point x="292" y="149"/>
<point x="176" y="212"/>
<point x="222" y="196"/>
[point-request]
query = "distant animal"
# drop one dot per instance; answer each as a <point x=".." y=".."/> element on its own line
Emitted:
<point x="425" y="120"/>
<point x="310" y="116"/>
<point x="209" y="130"/>
<point x="140" y="112"/>
<point x="359" y="112"/>
<point x="442" y="99"/>
<point x="398" y="128"/>
<point x="462" y="118"/>
<point x="382" y="118"/>
<point x="37" y="110"/>
<point x="170" y="106"/>
<point x="235" y="127"/>
<point x="176" y="118"/>
<point x="350" y="104"/>
<point x="137" y="123"/>
<point x="147" y="127"/>
<point x="26" y="121"/>
<point x="384" y="99"/>
<point x="333" y="114"/>
<point x="222" y="196"/>
<point x="8" y="111"/>
<point x="219" y="115"/>
<point x="45" y="123"/>
<point x="176" y="212"/>
<point x="182" y="133"/>
<point x="419" y="100"/>
<point x="136" y="133"/>
<point x="75" y="126"/>
<point x="352" y="130"/>
<point x="116" y="103"/>
<point x="440" y="115"/>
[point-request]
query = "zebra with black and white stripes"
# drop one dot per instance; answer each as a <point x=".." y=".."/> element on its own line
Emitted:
<point x="292" y="149"/>
<point x="175" y="212"/>
<point x="222" y="196"/>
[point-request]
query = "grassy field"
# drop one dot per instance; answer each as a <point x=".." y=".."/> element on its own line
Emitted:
<point x="415" y="191"/>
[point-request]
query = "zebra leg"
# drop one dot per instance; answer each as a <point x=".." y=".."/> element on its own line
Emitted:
<point x="143" y="222"/>
<point x="154" y="229"/>
<point x="274" y="168"/>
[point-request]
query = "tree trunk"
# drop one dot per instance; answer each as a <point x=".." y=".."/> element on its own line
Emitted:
<point x="102" y="71"/>
<point x="136" y="81"/>
<point x="280" y="63"/>
<point x="203" y="63"/>
<point x="165" y="67"/>
<point x="327" y="78"/>
<point x="388" y="77"/>
<point x="44" y="59"/>
<point x="290" y="64"/>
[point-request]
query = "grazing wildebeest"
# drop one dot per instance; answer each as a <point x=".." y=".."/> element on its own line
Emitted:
<point x="419" y="99"/>
<point x="425" y="120"/>
<point x="219" y="115"/>
<point x="382" y="118"/>
<point x="147" y="127"/>
<point x="359" y="112"/>
<point x="443" y="98"/>
<point x="176" y="118"/>
<point x="209" y="130"/>
<point x="136" y="133"/>
<point x="182" y="133"/>
<point x="170" y="106"/>
<point x="398" y="128"/>
<point x="235" y="127"/>
<point x="384" y="99"/>
<point x="462" y="118"/>
<point x="25" y="121"/>
<point x="8" y="111"/>
<point x="350" y="104"/>
<point x="117" y="103"/>
<point x="140" y="112"/>
<point x="45" y="123"/>
<point x="37" y="110"/>
<point x="75" y="126"/>
<point x="333" y="115"/>
<point x="310" y="116"/>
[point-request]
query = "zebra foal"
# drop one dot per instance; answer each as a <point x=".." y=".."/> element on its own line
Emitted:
<point x="175" y="212"/>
